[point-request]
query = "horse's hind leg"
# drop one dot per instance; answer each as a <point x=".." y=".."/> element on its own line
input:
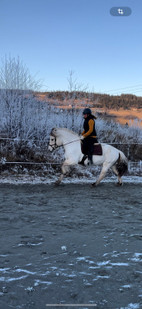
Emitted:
<point x="104" y="170"/>
<point x="117" y="174"/>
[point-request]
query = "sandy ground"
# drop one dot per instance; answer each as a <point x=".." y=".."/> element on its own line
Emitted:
<point x="71" y="244"/>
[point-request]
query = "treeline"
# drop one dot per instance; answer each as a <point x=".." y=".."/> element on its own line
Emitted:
<point x="126" y="101"/>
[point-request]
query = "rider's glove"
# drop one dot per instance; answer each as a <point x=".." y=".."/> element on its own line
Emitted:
<point x="81" y="137"/>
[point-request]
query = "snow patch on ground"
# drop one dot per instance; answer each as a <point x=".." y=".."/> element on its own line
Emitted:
<point x="29" y="179"/>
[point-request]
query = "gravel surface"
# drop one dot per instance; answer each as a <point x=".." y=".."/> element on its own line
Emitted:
<point x="71" y="244"/>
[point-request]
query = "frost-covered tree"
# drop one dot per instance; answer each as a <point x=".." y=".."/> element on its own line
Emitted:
<point x="16" y="95"/>
<point x="14" y="75"/>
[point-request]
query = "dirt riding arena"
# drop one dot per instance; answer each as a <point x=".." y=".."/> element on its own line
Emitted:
<point x="73" y="245"/>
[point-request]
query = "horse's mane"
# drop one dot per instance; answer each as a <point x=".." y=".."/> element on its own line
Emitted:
<point x="68" y="131"/>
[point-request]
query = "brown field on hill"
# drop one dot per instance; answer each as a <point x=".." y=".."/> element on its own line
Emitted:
<point x="132" y="117"/>
<point x="105" y="106"/>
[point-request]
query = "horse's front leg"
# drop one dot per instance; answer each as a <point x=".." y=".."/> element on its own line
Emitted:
<point x="65" y="170"/>
<point x="59" y="180"/>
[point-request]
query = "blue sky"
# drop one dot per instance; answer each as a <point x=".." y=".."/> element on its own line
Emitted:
<point x="53" y="37"/>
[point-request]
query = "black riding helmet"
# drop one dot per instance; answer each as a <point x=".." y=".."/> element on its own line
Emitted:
<point x="87" y="111"/>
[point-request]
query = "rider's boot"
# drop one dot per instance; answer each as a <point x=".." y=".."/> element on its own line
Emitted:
<point x="83" y="159"/>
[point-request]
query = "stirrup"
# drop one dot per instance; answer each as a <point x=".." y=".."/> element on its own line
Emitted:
<point x="90" y="160"/>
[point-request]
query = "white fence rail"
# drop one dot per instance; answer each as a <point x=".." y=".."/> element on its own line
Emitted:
<point x="133" y="166"/>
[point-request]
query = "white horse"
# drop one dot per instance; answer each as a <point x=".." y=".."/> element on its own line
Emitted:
<point x="110" y="158"/>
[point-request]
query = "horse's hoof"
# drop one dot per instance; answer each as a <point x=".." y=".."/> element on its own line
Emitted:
<point x="93" y="184"/>
<point x="119" y="184"/>
<point x="57" y="183"/>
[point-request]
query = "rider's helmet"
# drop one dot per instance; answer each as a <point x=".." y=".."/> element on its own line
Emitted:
<point x="87" y="111"/>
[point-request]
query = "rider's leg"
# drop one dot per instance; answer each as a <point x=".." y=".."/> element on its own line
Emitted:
<point x="85" y="151"/>
<point x="90" y="159"/>
<point x="90" y="150"/>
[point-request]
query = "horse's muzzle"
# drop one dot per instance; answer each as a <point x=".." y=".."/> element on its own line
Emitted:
<point x="50" y="148"/>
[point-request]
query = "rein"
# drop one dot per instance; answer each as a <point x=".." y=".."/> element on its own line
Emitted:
<point x="56" y="146"/>
<point x="76" y="140"/>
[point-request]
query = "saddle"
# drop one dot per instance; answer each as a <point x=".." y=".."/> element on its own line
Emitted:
<point x="97" y="149"/>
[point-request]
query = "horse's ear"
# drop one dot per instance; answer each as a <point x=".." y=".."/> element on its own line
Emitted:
<point x="53" y="131"/>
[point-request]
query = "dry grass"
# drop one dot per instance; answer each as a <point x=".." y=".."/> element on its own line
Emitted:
<point x="123" y="116"/>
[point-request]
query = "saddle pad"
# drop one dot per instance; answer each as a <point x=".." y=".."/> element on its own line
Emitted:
<point x="97" y="149"/>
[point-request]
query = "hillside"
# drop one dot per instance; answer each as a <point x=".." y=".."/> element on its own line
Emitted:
<point x="125" y="101"/>
<point x="125" y="109"/>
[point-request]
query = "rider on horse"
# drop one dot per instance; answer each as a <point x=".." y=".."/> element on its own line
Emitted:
<point x="89" y="136"/>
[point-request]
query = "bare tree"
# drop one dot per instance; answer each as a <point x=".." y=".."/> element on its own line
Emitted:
<point x="74" y="88"/>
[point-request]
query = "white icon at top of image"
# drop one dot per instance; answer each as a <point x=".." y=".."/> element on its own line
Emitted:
<point x="120" y="11"/>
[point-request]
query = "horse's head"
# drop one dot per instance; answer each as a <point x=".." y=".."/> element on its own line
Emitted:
<point x="53" y="142"/>
<point x="61" y="137"/>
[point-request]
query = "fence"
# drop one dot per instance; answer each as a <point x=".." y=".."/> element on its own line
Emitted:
<point x="135" y="166"/>
<point x="132" y="151"/>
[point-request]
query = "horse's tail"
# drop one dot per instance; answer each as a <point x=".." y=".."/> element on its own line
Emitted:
<point x="121" y="164"/>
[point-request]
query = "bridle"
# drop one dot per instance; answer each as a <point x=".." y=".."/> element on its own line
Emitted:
<point x="54" y="146"/>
